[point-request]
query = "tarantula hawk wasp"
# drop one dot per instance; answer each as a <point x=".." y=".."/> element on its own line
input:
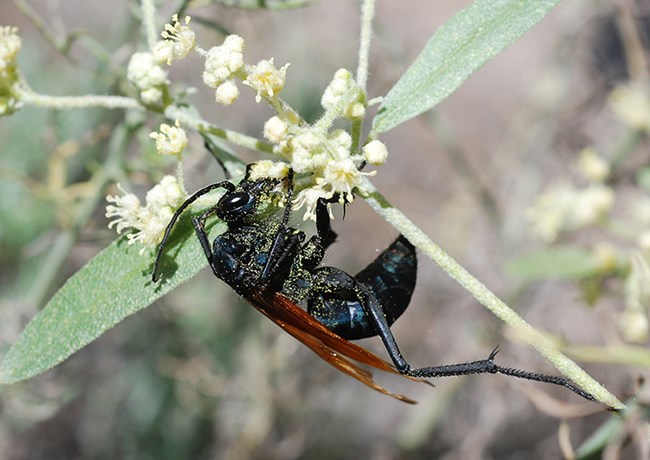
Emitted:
<point x="269" y="263"/>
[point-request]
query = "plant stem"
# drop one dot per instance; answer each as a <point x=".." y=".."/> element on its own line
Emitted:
<point x="149" y="22"/>
<point x="488" y="299"/>
<point x="26" y="95"/>
<point x="194" y="121"/>
<point x="39" y="24"/>
<point x="367" y="14"/>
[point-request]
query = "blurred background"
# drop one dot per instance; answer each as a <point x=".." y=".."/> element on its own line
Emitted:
<point x="499" y="175"/>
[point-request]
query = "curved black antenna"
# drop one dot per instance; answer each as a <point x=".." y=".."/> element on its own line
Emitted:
<point x="229" y="186"/>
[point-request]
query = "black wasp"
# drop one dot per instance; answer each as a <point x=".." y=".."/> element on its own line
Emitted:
<point x="270" y="264"/>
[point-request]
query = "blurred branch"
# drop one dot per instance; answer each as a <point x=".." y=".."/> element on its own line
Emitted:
<point x="635" y="52"/>
<point x="60" y="44"/>
<point x="50" y="267"/>
<point x="630" y="355"/>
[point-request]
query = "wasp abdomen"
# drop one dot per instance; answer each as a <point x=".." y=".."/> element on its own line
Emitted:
<point x="390" y="278"/>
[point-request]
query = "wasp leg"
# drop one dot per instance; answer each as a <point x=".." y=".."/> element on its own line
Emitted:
<point x="286" y="247"/>
<point x="389" y="279"/>
<point x="336" y="290"/>
<point x="485" y="366"/>
<point x="201" y="234"/>
<point x="325" y="234"/>
<point x="282" y="250"/>
<point x="313" y="250"/>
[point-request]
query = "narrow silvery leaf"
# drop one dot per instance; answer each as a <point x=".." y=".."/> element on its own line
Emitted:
<point x="455" y="51"/>
<point x="116" y="283"/>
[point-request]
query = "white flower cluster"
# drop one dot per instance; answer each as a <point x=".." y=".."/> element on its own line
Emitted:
<point x="145" y="70"/>
<point x="267" y="168"/>
<point x="326" y="158"/>
<point x="177" y="41"/>
<point x="146" y="74"/>
<point x="225" y="62"/>
<point x="631" y="104"/>
<point x="10" y="44"/>
<point x="170" y="140"/>
<point x="565" y="207"/>
<point x="265" y="79"/>
<point x="221" y="62"/>
<point x="150" y="221"/>
<point x="591" y="166"/>
<point x="337" y="90"/>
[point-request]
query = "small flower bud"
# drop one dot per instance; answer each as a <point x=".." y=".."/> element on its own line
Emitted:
<point x="631" y="105"/>
<point x="151" y="95"/>
<point x="336" y="90"/>
<point x="147" y="76"/>
<point x="265" y="79"/>
<point x="10" y="44"/>
<point x="148" y="223"/>
<point x="179" y="41"/>
<point x="170" y="140"/>
<point x="222" y="61"/>
<point x="227" y="93"/>
<point x="267" y="168"/>
<point x="375" y="152"/>
<point x="275" y="130"/>
<point x="592" y="166"/>
<point x="167" y="193"/>
<point x="354" y="110"/>
<point x="163" y="51"/>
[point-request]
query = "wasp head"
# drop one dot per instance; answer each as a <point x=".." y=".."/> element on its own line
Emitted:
<point x="250" y="201"/>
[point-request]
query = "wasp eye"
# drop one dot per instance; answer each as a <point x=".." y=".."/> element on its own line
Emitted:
<point x="235" y="201"/>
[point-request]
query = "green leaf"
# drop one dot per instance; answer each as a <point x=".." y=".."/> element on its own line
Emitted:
<point x="113" y="285"/>
<point x="560" y="262"/>
<point x="598" y="441"/>
<point x="456" y="50"/>
<point x="643" y="178"/>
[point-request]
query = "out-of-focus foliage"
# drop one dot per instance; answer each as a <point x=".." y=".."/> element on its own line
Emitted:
<point x="201" y="375"/>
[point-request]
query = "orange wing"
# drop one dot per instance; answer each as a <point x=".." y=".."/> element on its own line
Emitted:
<point x="337" y="351"/>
